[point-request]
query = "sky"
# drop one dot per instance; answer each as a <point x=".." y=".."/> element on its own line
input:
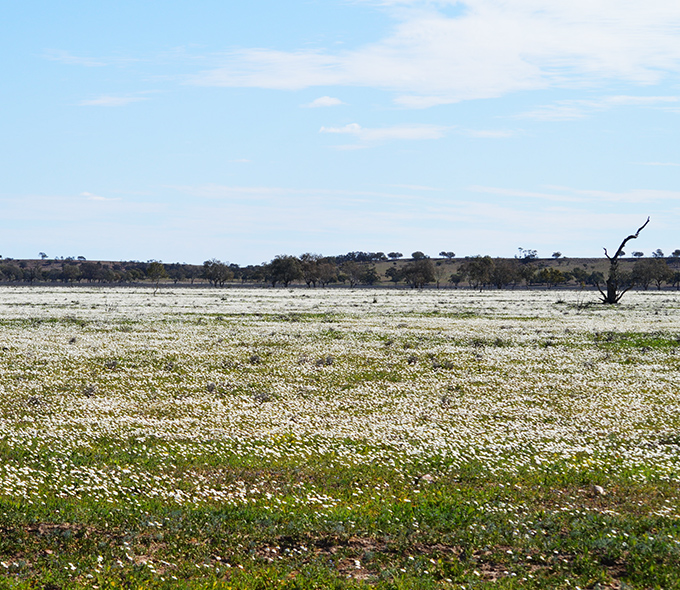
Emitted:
<point x="184" y="131"/>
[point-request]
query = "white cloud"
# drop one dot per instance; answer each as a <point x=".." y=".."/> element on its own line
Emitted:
<point x="489" y="133"/>
<point x="487" y="49"/>
<point x="93" y="197"/>
<point x="567" y="194"/>
<point x="324" y="101"/>
<point x="112" y="101"/>
<point x="398" y="132"/>
<point x="66" y="58"/>
<point x="416" y="187"/>
<point x="568" y="110"/>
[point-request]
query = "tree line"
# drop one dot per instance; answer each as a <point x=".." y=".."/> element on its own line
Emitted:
<point x="355" y="269"/>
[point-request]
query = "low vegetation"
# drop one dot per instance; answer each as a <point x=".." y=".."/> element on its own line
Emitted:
<point x="277" y="438"/>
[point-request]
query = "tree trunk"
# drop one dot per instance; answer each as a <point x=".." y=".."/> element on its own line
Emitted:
<point x="614" y="294"/>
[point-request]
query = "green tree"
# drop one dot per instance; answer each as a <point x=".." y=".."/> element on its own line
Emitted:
<point x="419" y="273"/>
<point x="351" y="271"/>
<point x="284" y="269"/>
<point x="369" y="276"/>
<point x="156" y="271"/>
<point x="217" y="272"/>
<point x="328" y="271"/>
<point x="478" y="271"/>
<point x="651" y="270"/>
<point x="504" y="273"/>
<point x="309" y="265"/>
<point x="71" y="273"/>
<point x="393" y="273"/>
<point x="551" y="276"/>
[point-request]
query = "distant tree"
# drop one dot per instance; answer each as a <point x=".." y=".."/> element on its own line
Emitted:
<point x="328" y="271"/>
<point x="254" y="273"/>
<point x="477" y="270"/>
<point x="177" y="272"/>
<point x="11" y="272"/>
<point x="358" y="273"/>
<point x="309" y="264"/>
<point x="369" y="276"/>
<point x="526" y="255"/>
<point x="192" y="272"/>
<point x="132" y="275"/>
<point x="651" y="270"/>
<point x="440" y="271"/>
<point x="80" y="258"/>
<point x="579" y="275"/>
<point x="236" y="270"/>
<point x="447" y="255"/>
<point x="675" y="257"/>
<point x="418" y="255"/>
<point x="658" y="253"/>
<point x="71" y="273"/>
<point x="557" y="255"/>
<point x="156" y="271"/>
<point x="675" y="279"/>
<point x="419" y="273"/>
<point x="638" y="254"/>
<point x="32" y="273"/>
<point x="551" y="276"/>
<point x="615" y="288"/>
<point x="283" y="269"/>
<point x="527" y="272"/>
<point x="662" y="274"/>
<point x="595" y="278"/>
<point x="217" y="272"/>
<point x="360" y="257"/>
<point x="42" y="255"/>
<point x="455" y="279"/>
<point x="504" y="273"/>
<point x="394" y="255"/>
<point x="394" y="274"/>
<point x="91" y="271"/>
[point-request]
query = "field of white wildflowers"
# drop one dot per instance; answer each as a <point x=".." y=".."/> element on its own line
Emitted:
<point x="436" y="427"/>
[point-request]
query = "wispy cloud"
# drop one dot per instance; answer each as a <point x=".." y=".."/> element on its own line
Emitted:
<point x="112" y="101"/>
<point x="489" y="133"/>
<point x="398" y="132"/>
<point x="567" y="194"/>
<point x="66" y="58"/>
<point x="487" y="49"/>
<point x="93" y="197"/>
<point x="569" y="110"/>
<point x="324" y="101"/>
<point x="416" y="187"/>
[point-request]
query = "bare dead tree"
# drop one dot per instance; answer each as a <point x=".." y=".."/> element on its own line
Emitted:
<point x="614" y="293"/>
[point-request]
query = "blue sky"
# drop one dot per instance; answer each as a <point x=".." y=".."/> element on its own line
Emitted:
<point x="182" y="131"/>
